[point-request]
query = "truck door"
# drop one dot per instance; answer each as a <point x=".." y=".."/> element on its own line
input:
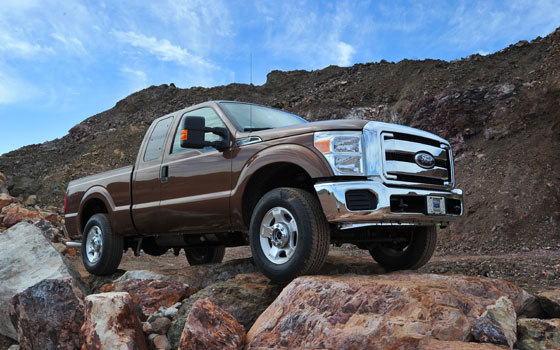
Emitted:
<point x="195" y="193"/>
<point x="146" y="178"/>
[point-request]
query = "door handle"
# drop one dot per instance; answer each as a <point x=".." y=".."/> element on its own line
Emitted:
<point x="164" y="173"/>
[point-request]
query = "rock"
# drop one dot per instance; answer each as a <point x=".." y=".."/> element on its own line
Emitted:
<point x="533" y="334"/>
<point x="112" y="322"/>
<point x="140" y="275"/>
<point x="434" y="344"/>
<point x="26" y="258"/>
<point x="245" y="297"/>
<point x="201" y="276"/>
<point x="14" y="214"/>
<point x="3" y="184"/>
<point x="14" y="347"/>
<point x="398" y="309"/>
<point x="30" y="201"/>
<point x="95" y="283"/>
<point x="498" y="324"/>
<point x="160" y="325"/>
<point x="49" y="315"/>
<point x="550" y="302"/>
<point x="150" y="294"/>
<point x="210" y="327"/>
<point x="5" y="200"/>
<point x="161" y="342"/>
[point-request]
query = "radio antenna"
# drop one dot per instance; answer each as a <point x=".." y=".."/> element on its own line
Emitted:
<point x="251" y="69"/>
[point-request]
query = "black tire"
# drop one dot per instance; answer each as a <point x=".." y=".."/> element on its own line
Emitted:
<point x="205" y="255"/>
<point x="311" y="239"/>
<point x="411" y="255"/>
<point x="110" y="251"/>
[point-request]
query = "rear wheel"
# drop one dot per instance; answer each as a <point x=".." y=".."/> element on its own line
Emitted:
<point x="289" y="234"/>
<point x="102" y="249"/>
<point x="205" y="255"/>
<point x="408" y="254"/>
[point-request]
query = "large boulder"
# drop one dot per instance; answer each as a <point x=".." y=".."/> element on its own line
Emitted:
<point x="209" y="327"/>
<point x="26" y="258"/>
<point x="151" y="294"/>
<point x="49" y="315"/>
<point x="389" y="311"/>
<point x="112" y="322"/>
<point x="245" y="297"/>
<point x="498" y="324"/>
<point x="535" y="334"/>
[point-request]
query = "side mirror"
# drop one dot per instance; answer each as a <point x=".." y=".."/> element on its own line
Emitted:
<point x="193" y="131"/>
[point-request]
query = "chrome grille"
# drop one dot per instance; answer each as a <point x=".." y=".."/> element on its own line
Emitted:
<point x="399" y="165"/>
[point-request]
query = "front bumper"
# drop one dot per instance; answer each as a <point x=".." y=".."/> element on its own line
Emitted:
<point x="332" y="196"/>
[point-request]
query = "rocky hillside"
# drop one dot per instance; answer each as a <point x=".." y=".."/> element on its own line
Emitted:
<point x="500" y="111"/>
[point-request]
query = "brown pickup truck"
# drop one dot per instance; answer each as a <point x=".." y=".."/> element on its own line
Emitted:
<point x="225" y="174"/>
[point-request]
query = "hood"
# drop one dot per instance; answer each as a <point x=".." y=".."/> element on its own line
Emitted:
<point x="337" y="124"/>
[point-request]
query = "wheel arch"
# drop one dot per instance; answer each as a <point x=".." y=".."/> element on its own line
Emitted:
<point x="278" y="166"/>
<point x="94" y="201"/>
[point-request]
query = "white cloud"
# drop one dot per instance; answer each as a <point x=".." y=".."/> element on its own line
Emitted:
<point x="345" y="53"/>
<point x="16" y="47"/>
<point x="72" y="44"/>
<point x="312" y="35"/>
<point x="13" y="89"/>
<point x="162" y="49"/>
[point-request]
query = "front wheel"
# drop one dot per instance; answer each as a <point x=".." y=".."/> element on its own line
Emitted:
<point x="411" y="253"/>
<point x="102" y="249"/>
<point x="205" y="255"/>
<point x="289" y="234"/>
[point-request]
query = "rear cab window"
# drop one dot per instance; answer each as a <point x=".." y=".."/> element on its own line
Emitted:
<point x="157" y="139"/>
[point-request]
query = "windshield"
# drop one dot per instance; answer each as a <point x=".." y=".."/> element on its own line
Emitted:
<point x="250" y="117"/>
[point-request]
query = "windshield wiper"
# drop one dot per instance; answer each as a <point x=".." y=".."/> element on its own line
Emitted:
<point x="255" y="129"/>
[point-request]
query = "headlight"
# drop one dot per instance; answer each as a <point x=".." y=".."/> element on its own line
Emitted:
<point x="343" y="151"/>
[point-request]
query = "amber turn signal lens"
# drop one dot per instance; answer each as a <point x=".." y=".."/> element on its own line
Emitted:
<point x="184" y="134"/>
<point x="323" y="146"/>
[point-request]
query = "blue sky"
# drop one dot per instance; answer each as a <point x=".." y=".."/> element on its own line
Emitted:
<point x="62" y="61"/>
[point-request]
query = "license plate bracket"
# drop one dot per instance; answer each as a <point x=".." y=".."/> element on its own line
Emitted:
<point x="435" y="205"/>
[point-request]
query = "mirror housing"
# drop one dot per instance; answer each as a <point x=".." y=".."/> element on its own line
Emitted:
<point x="193" y="131"/>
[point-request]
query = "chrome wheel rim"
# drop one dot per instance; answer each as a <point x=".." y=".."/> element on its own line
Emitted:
<point x="278" y="235"/>
<point x="94" y="244"/>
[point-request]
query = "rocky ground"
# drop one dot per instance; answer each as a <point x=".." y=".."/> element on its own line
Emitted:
<point x="162" y="303"/>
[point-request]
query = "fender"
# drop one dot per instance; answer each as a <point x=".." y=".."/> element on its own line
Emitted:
<point x="310" y="161"/>
<point x="96" y="192"/>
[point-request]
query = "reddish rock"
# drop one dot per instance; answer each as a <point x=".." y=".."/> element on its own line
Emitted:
<point x="151" y="294"/>
<point x="434" y="344"/>
<point x="14" y="214"/>
<point x="244" y="297"/>
<point x="112" y="322"/>
<point x="161" y="342"/>
<point x="48" y="315"/>
<point x="498" y="324"/>
<point x="393" y="311"/>
<point x="160" y="325"/>
<point x="5" y="200"/>
<point x="210" y="327"/>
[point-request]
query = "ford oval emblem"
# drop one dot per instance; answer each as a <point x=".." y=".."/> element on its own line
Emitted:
<point x="425" y="160"/>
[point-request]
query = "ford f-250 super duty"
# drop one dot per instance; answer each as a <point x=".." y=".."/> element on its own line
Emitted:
<point x="224" y="174"/>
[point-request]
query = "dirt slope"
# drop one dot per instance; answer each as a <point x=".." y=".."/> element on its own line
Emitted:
<point x="501" y="112"/>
